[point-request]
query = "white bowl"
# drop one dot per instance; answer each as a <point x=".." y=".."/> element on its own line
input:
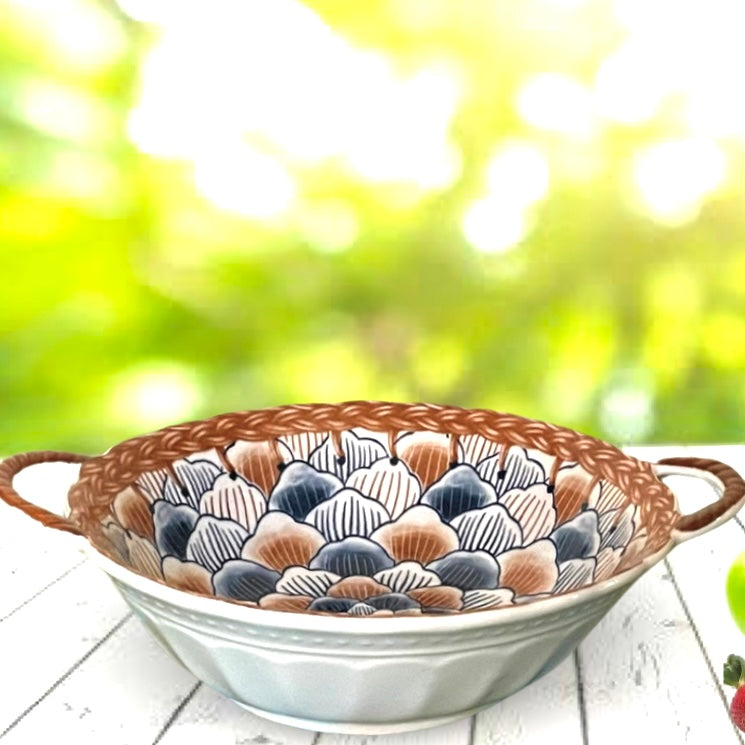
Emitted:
<point x="366" y="675"/>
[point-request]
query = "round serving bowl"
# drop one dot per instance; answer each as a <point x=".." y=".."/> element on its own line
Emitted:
<point x="373" y="567"/>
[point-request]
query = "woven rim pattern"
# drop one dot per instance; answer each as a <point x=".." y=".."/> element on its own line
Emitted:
<point x="103" y="477"/>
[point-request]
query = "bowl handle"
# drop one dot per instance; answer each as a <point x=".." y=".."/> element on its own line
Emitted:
<point x="727" y="483"/>
<point x="12" y="466"/>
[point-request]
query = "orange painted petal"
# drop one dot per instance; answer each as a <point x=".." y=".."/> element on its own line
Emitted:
<point x="427" y="454"/>
<point x="279" y="601"/>
<point x="132" y="510"/>
<point x="187" y="575"/>
<point x="530" y="570"/>
<point x="280" y="542"/>
<point x="441" y="596"/>
<point x="418" y="535"/>
<point x="357" y="587"/>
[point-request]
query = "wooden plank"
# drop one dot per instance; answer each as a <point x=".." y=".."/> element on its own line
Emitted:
<point x="644" y="676"/>
<point x="699" y="569"/>
<point x="546" y="711"/>
<point x="210" y="718"/>
<point x="122" y="694"/>
<point x="456" y="733"/>
<point x="46" y="637"/>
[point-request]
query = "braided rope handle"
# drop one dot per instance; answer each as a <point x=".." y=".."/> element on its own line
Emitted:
<point x="12" y="466"/>
<point x="726" y="481"/>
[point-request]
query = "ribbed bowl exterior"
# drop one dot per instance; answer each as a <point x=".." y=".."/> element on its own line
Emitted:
<point x="358" y="681"/>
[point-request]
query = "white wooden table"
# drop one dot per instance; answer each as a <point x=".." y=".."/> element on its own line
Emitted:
<point x="76" y="665"/>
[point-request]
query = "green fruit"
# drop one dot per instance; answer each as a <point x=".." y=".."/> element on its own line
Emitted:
<point x="736" y="591"/>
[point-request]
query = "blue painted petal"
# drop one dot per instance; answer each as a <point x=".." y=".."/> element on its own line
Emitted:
<point x="458" y="491"/>
<point x="333" y="605"/>
<point x="244" y="580"/>
<point x="300" y="488"/>
<point x="173" y="526"/>
<point x="467" y="570"/>
<point x="393" y="601"/>
<point x="352" y="556"/>
<point x="578" y="538"/>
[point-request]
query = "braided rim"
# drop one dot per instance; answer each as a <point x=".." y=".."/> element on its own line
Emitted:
<point x="103" y="477"/>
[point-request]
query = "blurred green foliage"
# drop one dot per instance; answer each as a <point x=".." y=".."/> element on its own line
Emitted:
<point x="137" y="292"/>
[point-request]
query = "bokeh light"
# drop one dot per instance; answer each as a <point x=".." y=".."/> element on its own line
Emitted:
<point x="209" y="207"/>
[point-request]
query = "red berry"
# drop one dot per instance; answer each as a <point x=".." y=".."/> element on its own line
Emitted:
<point x="737" y="708"/>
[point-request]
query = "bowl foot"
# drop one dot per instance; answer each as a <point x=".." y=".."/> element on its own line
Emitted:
<point x="358" y="728"/>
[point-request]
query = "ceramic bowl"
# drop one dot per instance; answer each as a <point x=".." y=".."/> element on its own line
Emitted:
<point x="373" y="567"/>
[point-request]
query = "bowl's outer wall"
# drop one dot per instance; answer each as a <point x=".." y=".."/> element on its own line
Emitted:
<point x="371" y="679"/>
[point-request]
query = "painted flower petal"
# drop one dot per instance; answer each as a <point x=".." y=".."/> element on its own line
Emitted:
<point x="388" y="482"/>
<point x="302" y="444"/>
<point x="533" y="508"/>
<point x="332" y="605"/>
<point x="607" y="561"/>
<point x="443" y="597"/>
<point x="477" y="448"/>
<point x="143" y="556"/>
<point x="407" y="576"/>
<point x="607" y="497"/>
<point x="573" y="489"/>
<point x="234" y="498"/>
<point x="302" y="581"/>
<point x="244" y="580"/>
<point x="393" y="601"/>
<point x="574" y="574"/>
<point x="617" y="527"/>
<point x="634" y="553"/>
<point x="215" y="541"/>
<point x="173" y="526"/>
<point x="458" y="491"/>
<point x="357" y="587"/>
<point x="132" y="511"/>
<point x="530" y="570"/>
<point x="279" y="601"/>
<point x="427" y="454"/>
<point x="361" y="609"/>
<point x="153" y="484"/>
<point x="300" y="488"/>
<point x="489" y="529"/>
<point x="347" y="513"/>
<point x="280" y="542"/>
<point x="196" y="478"/>
<point x="486" y="599"/>
<point x="578" y="538"/>
<point x="115" y="541"/>
<point x="467" y="570"/>
<point x="187" y="575"/>
<point x="352" y="556"/>
<point x="520" y="471"/>
<point x="418" y="535"/>
<point x="258" y="462"/>
<point x="359" y="452"/>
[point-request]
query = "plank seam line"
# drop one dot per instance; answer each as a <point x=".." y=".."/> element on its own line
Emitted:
<point x="316" y="739"/>
<point x="174" y="715"/>
<point x="67" y="674"/>
<point x="581" y="698"/>
<point x="42" y="590"/>
<point x="472" y="730"/>
<point x="697" y="635"/>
